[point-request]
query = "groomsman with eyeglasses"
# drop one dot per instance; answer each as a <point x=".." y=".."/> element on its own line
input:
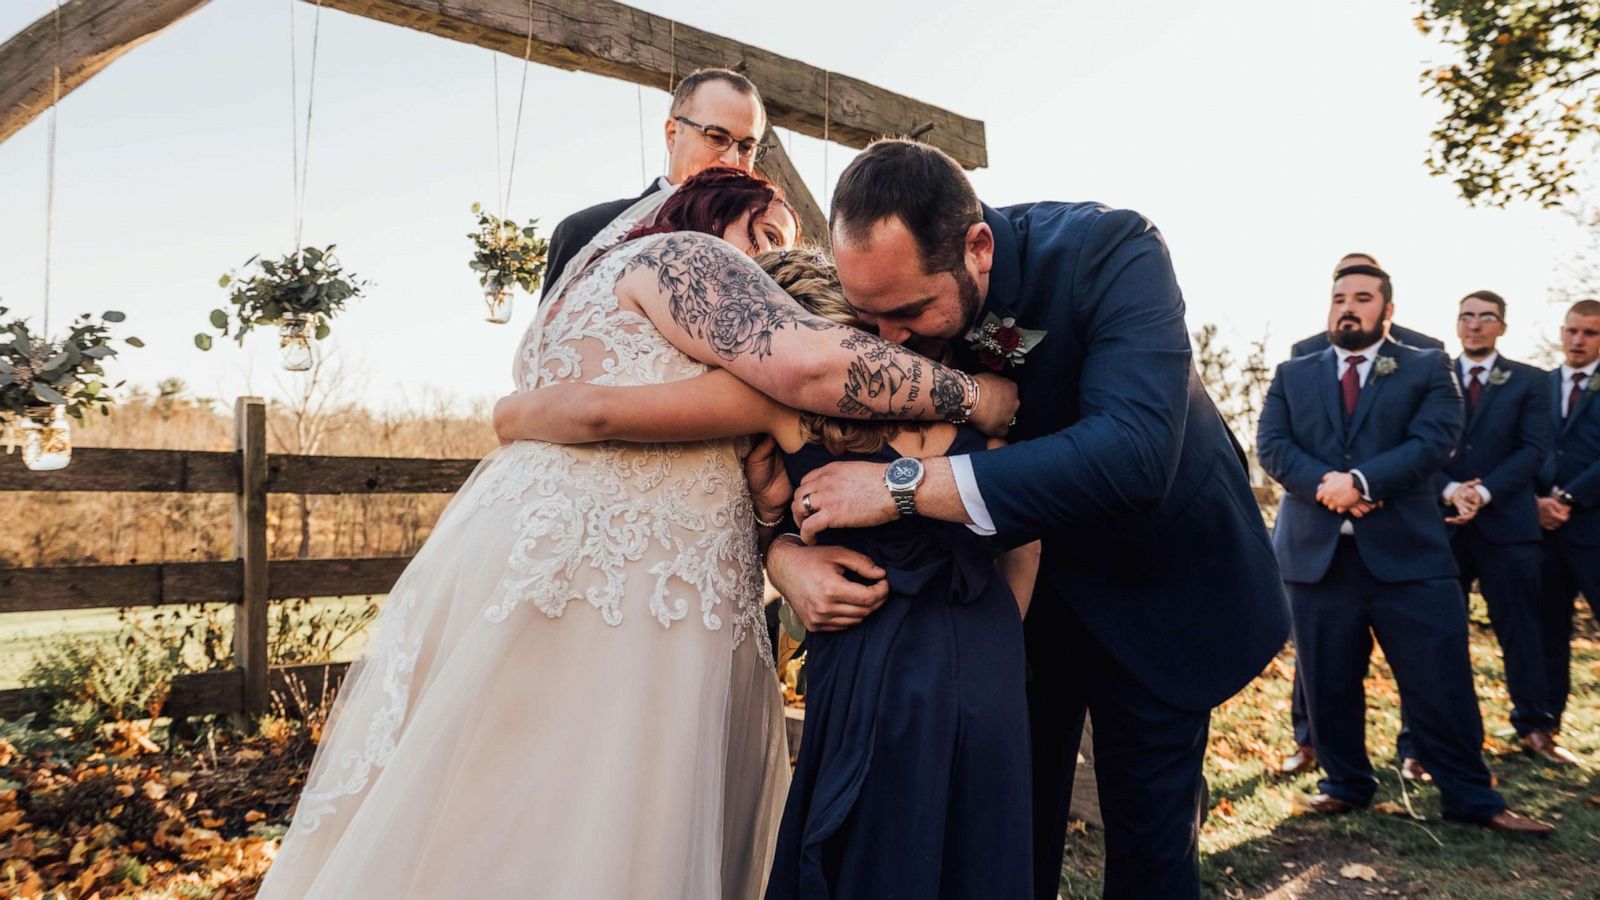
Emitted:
<point x="1488" y="497"/>
<point x="1569" y="508"/>
<point x="716" y="119"/>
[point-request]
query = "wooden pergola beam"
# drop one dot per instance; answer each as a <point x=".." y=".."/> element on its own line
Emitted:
<point x="94" y="33"/>
<point x="608" y="38"/>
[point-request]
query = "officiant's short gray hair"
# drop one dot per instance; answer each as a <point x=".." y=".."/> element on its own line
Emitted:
<point x="916" y="183"/>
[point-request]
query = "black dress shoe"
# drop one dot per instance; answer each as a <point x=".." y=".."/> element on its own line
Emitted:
<point x="1304" y="759"/>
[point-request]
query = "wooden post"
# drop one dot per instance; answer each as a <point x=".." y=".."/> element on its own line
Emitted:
<point x="250" y="543"/>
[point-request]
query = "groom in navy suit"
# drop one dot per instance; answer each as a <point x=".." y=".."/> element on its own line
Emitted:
<point x="1355" y="434"/>
<point x="1158" y="596"/>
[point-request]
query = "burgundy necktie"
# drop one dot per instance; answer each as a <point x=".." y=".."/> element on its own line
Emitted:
<point x="1474" y="386"/>
<point x="1350" y="384"/>
<point x="1575" y="393"/>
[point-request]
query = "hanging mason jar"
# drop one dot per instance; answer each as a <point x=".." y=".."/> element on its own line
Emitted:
<point x="498" y="295"/>
<point x="294" y="341"/>
<point x="46" y="438"/>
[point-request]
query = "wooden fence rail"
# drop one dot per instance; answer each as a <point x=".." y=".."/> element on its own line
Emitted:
<point x="250" y="581"/>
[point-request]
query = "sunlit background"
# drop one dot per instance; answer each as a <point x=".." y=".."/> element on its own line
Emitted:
<point x="1265" y="139"/>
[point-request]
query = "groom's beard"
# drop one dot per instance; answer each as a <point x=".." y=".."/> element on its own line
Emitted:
<point x="970" y="296"/>
<point x="1356" y="338"/>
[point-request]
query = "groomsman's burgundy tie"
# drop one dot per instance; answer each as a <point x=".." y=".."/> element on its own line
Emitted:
<point x="1474" y="387"/>
<point x="1350" y="385"/>
<point x="1575" y="394"/>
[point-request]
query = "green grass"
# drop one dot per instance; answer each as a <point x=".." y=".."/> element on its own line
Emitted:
<point x="23" y="634"/>
<point x="1254" y="845"/>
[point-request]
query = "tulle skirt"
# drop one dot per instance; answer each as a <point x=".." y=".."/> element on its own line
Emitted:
<point x="538" y="756"/>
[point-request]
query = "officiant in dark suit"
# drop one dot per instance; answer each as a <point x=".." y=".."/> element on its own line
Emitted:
<point x="1355" y="434"/>
<point x="1158" y="596"/>
<point x="716" y="119"/>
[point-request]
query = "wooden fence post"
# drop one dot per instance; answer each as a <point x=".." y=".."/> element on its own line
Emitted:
<point x="250" y="544"/>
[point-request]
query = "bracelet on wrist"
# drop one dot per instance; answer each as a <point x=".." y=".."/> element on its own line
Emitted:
<point x="773" y="524"/>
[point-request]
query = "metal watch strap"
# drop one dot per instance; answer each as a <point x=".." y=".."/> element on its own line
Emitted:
<point x="905" y="501"/>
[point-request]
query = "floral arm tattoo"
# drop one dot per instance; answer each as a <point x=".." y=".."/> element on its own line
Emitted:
<point x="718" y="295"/>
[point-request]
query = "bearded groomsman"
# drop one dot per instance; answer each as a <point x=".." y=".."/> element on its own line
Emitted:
<point x="1304" y="757"/>
<point x="1355" y="434"/>
<point x="1487" y="489"/>
<point x="716" y="119"/>
<point x="1569" y="511"/>
<point x="1318" y="342"/>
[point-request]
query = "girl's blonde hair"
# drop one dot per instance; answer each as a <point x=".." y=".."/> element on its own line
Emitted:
<point x="810" y="278"/>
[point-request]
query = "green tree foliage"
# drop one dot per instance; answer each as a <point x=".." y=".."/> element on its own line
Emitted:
<point x="1522" y="100"/>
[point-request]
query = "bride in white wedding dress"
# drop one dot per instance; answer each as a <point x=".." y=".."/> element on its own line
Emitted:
<point x="570" y="691"/>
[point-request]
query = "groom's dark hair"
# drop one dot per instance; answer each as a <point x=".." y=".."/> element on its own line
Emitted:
<point x="916" y="183"/>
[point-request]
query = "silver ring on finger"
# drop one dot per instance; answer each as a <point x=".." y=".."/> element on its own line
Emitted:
<point x="805" y="501"/>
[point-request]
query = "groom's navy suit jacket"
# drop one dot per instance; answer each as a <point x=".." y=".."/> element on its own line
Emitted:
<point x="1504" y="442"/>
<point x="1404" y="428"/>
<point x="1121" y="463"/>
<point x="1574" y="465"/>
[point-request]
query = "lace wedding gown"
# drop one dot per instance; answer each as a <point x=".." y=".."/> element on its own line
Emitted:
<point x="570" y="692"/>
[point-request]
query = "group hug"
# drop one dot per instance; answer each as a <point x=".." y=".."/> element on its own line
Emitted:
<point x="970" y="448"/>
<point x="1408" y="477"/>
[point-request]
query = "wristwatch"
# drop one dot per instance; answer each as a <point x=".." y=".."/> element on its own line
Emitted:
<point x="902" y="478"/>
<point x="1562" y="496"/>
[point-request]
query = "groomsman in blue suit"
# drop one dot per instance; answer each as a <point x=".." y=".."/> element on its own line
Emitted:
<point x="1355" y="434"/>
<point x="1304" y="757"/>
<point x="1487" y="489"/>
<point x="1569" y="511"/>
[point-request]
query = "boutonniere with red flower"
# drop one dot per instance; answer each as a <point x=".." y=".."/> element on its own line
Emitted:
<point x="1000" y="343"/>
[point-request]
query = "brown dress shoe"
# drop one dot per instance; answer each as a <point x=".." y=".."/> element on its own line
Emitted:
<point x="1304" y="759"/>
<point x="1323" y="804"/>
<point x="1411" y="770"/>
<point x="1516" y="823"/>
<point x="1543" y="745"/>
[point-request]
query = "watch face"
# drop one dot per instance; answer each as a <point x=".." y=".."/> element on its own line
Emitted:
<point x="903" y="472"/>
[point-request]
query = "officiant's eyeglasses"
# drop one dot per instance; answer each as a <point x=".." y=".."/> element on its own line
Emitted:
<point x="720" y="140"/>
<point x="1487" y="318"/>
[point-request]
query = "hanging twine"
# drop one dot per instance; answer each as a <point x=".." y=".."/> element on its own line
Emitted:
<point x="827" y="116"/>
<point x="644" y="172"/>
<point x="522" y="94"/>
<point x="301" y="160"/>
<point x="50" y="170"/>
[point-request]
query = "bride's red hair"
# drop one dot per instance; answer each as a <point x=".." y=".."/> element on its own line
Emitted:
<point x="714" y="199"/>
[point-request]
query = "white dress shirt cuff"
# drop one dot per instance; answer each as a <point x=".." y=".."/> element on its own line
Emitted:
<point x="1483" y="492"/>
<point x="967" y="486"/>
<point x="1361" y="484"/>
<point x="1450" y="491"/>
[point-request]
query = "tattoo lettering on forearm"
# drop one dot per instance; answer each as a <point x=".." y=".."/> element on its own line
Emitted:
<point x="718" y="295"/>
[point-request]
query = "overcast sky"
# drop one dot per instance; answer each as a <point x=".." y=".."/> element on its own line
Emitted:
<point x="1265" y="139"/>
